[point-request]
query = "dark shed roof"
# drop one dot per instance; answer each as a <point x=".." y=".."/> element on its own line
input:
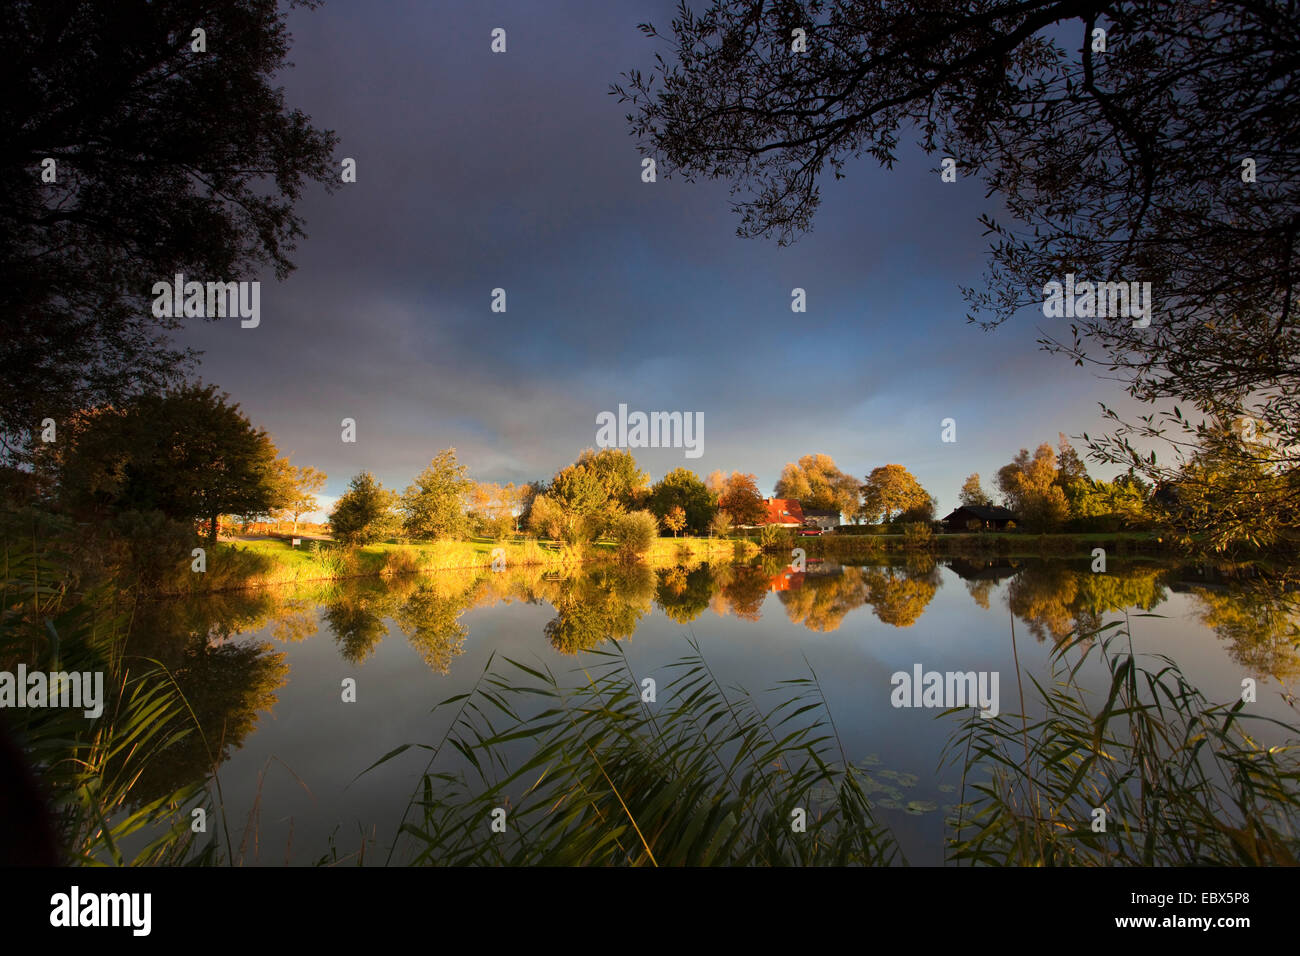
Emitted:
<point x="983" y="513"/>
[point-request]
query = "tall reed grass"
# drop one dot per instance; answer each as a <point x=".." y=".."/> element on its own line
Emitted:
<point x="1181" y="782"/>
<point x="88" y="767"/>
<point x="597" y="777"/>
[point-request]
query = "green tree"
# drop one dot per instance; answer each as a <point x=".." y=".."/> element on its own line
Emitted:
<point x="187" y="452"/>
<point x="1123" y="500"/>
<point x="923" y="512"/>
<point x="146" y="185"/>
<point x="889" y="489"/>
<point x="575" y="507"/>
<point x="434" y="505"/>
<point x="682" y="488"/>
<point x="365" y="513"/>
<point x="625" y="484"/>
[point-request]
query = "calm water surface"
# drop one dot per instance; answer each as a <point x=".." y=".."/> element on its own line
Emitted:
<point x="264" y="670"/>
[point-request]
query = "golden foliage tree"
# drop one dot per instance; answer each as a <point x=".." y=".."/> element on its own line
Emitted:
<point x="890" y="489"/>
<point x="817" y="482"/>
<point x="1030" y="488"/>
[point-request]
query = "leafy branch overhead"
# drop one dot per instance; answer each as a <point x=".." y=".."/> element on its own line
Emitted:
<point x="166" y="160"/>
<point x="1119" y="158"/>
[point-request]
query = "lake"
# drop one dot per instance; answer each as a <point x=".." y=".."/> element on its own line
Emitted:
<point x="265" y="670"/>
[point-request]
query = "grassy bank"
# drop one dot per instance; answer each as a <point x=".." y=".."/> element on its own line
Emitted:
<point x="272" y="562"/>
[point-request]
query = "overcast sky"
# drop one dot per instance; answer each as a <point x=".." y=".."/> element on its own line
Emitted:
<point x="479" y="170"/>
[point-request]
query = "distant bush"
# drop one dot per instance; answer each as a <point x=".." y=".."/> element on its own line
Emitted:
<point x="917" y="534"/>
<point x="917" y="513"/>
<point x="493" y="527"/>
<point x="862" y="529"/>
<point x="635" y="532"/>
<point x="1093" y="524"/>
<point x="720" y="526"/>
<point x="772" y="538"/>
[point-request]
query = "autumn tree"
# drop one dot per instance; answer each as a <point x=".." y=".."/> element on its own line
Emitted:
<point x="188" y="453"/>
<point x="1121" y="141"/>
<point x="972" y="493"/>
<point x="889" y="489"/>
<point x="816" y="482"/>
<point x="301" y="485"/>
<point x="675" y="520"/>
<point x="434" y="505"/>
<point x="682" y="488"/>
<point x="366" y="512"/>
<point x="740" y="499"/>
<point x="1230" y="496"/>
<point x="492" y="508"/>
<point x="1029" y="488"/>
<point x="144" y="185"/>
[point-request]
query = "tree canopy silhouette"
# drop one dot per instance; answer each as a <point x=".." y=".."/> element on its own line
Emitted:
<point x="1118" y="158"/>
<point x="166" y="160"/>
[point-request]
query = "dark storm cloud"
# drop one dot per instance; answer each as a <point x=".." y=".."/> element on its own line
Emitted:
<point x="478" y="171"/>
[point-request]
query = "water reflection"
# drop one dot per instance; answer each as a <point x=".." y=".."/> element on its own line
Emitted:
<point x="226" y="683"/>
<point x="229" y="683"/>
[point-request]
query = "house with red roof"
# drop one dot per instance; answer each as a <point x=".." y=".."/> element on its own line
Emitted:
<point x="784" y="512"/>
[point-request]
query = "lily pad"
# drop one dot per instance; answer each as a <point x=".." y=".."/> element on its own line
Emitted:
<point x="920" y="806"/>
<point x="870" y="784"/>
